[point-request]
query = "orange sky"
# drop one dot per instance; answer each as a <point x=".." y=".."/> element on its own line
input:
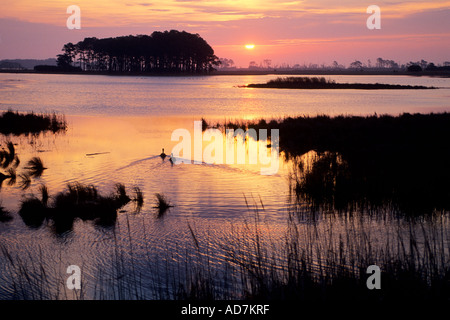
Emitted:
<point x="307" y="31"/>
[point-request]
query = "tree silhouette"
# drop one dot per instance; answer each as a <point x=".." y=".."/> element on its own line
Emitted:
<point x="356" y="65"/>
<point x="169" y="51"/>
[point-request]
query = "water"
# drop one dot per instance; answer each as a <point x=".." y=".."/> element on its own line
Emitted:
<point x="117" y="128"/>
<point x="211" y="96"/>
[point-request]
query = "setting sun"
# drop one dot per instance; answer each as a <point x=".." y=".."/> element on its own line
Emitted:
<point x="249" y="46"/>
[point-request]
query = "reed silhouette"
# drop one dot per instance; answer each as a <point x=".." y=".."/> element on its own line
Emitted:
<point x="138" y="199"/>
<point x="368" y="160"/>
<point x="30" y="123"/>
<point x="322" y="83"/>
<point x="8" y="156"/>
<point x="162" y="204"/>
<point x="25" y="181"/>
<point x="9" y="161"/>
<point x="35" y="167"/>
<point x="5" y="216"/>
<point x="77" y="202"/>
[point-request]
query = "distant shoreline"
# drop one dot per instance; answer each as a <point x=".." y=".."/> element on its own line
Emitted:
<point x="248" y="72"/>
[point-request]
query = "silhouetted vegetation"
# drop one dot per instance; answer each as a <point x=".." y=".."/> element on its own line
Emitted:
<point x="30" y="123"/>
<point x="414" y="68"/>
<point x="9" y="157"/>
<point x="162" y="204"/>
<point x="77" y="202"/>
<point x="138" y="198"/>
<point x="59" y="68"/>
<point x="5" y="216"/>
<point x="35" y="167"/>
<point x="313" y="262"/>
<point x="161" y="52"/>
<point x="322" y="83"/>
<point x="9" y="161"/>
<point x="368" y="161"/>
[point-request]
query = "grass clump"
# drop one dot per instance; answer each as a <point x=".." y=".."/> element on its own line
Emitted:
<point x="162" y="204"/>
<point x="30" y="123"/>
<point x="35" y="167"/>
<point x="78" y="201"/>
<point x="9" y="162"/>
<point x="5" y="216"/>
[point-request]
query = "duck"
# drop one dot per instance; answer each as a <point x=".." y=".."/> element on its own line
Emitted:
<point x="163" y="155"/>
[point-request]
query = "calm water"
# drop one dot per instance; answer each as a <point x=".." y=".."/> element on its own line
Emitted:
<point x="117" y="127"/>
<point x="211" y="96"/>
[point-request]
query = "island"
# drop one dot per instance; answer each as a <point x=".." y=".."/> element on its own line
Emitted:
<point x="322" y="83"/>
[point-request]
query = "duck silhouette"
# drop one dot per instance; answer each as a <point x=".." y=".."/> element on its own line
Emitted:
<point x="163" y="155"/>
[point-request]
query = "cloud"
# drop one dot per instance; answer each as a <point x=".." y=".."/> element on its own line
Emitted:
<point x="102" y="12"/>
<point x="38" y="27"/>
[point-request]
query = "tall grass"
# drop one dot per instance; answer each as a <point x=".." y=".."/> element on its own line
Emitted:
<point x="78" y="201"/>
<point x="162" y="204"/>
<point x="9" y="161"/>
<point x="320" y="258"/>
<point x="31" y="123"/>
<point x="34" y="279"/>
<point x="5" y="215"/>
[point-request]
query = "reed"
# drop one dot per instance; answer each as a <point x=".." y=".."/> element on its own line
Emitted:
<point x="8" y="156"/>
<point x="35" y="167"/>
<point x="5" y="216"/>
<point x="377" y="157"/>
<point x="312" y="261"/>
<point x="30" y="123"/>
<point x="162" y="204"/>
<point x="77" y="201"/>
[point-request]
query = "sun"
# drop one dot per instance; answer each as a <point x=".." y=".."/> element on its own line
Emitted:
<point x="249" y="46"/>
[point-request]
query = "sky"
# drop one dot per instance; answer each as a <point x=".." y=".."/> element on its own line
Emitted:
<point x="283" y="31"/>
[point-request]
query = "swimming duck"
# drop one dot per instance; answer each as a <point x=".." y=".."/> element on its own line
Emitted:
<point x="163" y="155"/>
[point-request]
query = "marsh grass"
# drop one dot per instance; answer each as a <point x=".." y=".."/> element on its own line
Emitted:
<point x="320" y="259"/>
<point x="5" y="216"/>
<point x="30" y="123"/>
<point x="162" y="204"/>
<point x="328" y="261"/>
<point x="8" y="156"/>
<point x="323" y="83"/>
<point x="78" y="201"/>
<point x="9" y="162"/>
<point x="138" y="199"/>
<point x="35" y="279"/>
<point x="367" y="160"/>
<point x="35" y="167"/>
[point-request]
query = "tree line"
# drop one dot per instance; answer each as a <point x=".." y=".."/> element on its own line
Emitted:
<point x="169" y="51"/>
